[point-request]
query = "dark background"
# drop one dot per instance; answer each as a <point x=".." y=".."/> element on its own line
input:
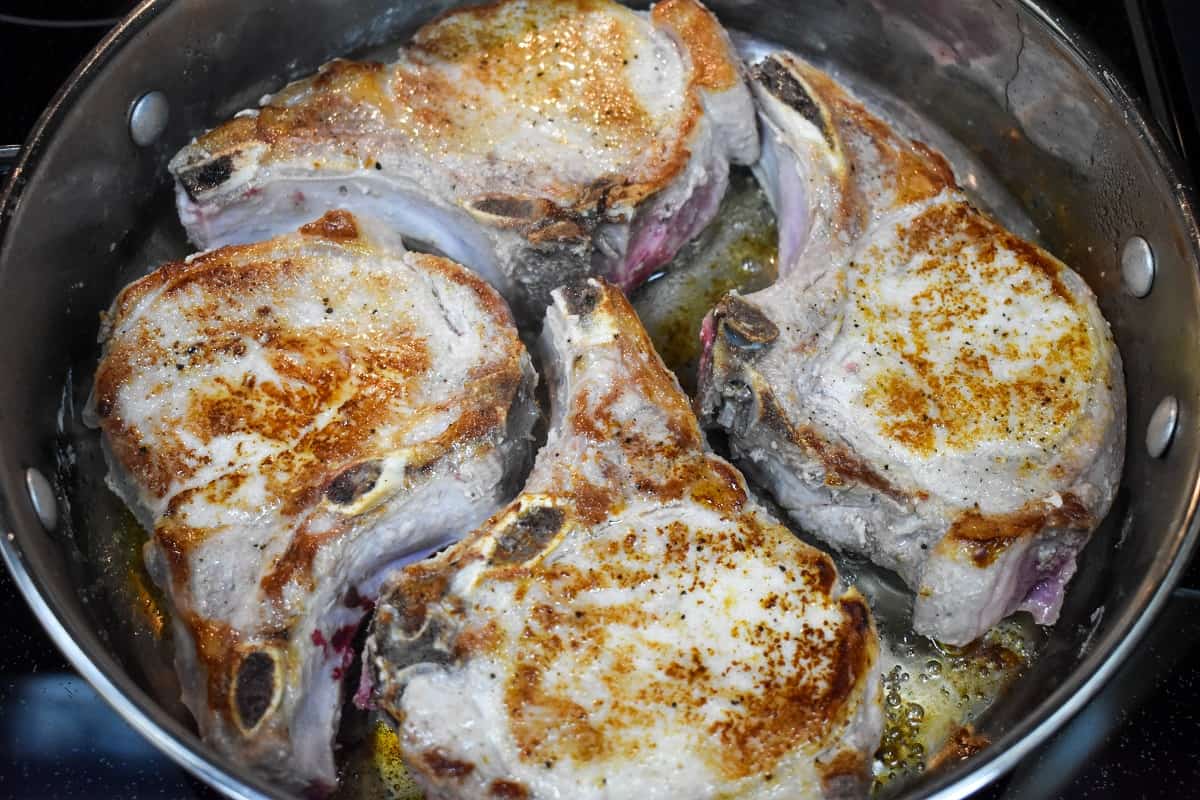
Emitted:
<point x="1139" y="739"/>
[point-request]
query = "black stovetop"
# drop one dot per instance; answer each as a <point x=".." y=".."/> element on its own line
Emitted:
<point x="1139" y="738"/>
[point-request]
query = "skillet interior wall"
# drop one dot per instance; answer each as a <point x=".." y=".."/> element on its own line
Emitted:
<point x="96" y="210"/>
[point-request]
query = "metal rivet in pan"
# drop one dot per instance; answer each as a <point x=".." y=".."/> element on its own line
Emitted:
<point x="41" y="496"/>
<point x="148" y="118"/>
<point x="1162" y="425"/>
<point x="1137" y="266"/>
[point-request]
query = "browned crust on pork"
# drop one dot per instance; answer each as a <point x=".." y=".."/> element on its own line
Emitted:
<point x="842" y="467"/>
<point x="797" y="708"/>
<point x="508" y="790"/>
<point x="984" y="537"/>
<point x="702" y="35"/>
<point x="296" y="563"/>
<point x="976" y="403"/>
<point x="316" y="117"/>
<point x="337" y="225"/>
<point x="848" y="771"/>
<point x="363" y="376"/>
<point x="663" y="469"/>
<point x="788" y="708"/>
<point x="919" y="171"/>
<point x="216" y="645"/>
<point x="441" y="765"/>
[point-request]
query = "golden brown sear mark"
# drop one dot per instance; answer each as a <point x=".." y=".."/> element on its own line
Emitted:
<point x="842" y="468"/>
<point x="442" y="765"/>
<point x="508" y="790"/>
<point x="340" y="226"/>
<point x="701" y="34"/>
<point x="945" y="392"/>
<point x="985" y="537"/>
<point x="439" y="99"/>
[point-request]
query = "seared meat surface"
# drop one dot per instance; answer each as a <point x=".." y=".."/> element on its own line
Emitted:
<point x="634" y="624"/>
<point x="291" y="420"/>
<point x="534" y="141"/>
<point x="920" y="386"/>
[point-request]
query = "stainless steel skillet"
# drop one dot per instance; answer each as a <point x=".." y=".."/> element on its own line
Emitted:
<point x="88" y="207"/>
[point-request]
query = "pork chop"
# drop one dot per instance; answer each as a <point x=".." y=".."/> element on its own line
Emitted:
<point x="634" y="624"/>
<point x="920" y="386"/>
<point x="292" y="419"/>
<point x="534" y="141"/>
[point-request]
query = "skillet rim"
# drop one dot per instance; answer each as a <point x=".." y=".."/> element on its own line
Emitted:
<point x="1087" y="677"/>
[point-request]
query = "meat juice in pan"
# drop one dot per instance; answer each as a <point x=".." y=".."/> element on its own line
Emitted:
<point x="931" y="693"/>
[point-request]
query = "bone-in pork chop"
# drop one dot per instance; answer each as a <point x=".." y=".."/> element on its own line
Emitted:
<point x="292" y="419"/>
<point x="534" y="141"/>
<point x="634" y="624"/>
<point x="920" y="386"/>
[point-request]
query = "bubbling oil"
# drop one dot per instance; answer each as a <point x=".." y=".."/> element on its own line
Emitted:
<point x="932" y="695"/>
<point x="375" y="769"/>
